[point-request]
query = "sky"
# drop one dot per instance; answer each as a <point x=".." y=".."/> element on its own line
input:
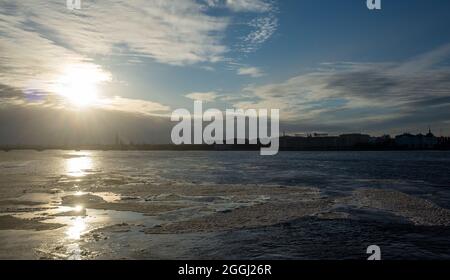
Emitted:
<point x="123" y="66"/>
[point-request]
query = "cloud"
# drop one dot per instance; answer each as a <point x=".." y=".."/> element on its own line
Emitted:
<point x="258" y="29"/>
<point x="361" y="94"/>
<point x="250" y="71"/>
<point x="263" y="29"/>
<point x="425" y="61"/>
<point x="259" y="6"/>
<point x="39" y="41"/>
<point x="203" y="96"/>
<point x="10" y="92"/>
<point x="179" y="34"/>
<point x="134" y="106"/>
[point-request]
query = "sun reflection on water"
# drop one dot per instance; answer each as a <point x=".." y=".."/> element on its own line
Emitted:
<point x="77" y="228"/>
<point x="78" y="208"/>
<point x="79" y="166"/>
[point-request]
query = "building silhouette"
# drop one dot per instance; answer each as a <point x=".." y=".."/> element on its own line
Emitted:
<point x="418" y="141"/>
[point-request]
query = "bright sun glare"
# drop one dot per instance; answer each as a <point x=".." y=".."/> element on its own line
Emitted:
<point x="78" y="84"/>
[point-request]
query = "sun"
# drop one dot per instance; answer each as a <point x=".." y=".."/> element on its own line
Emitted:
<point x="78" y="84"/>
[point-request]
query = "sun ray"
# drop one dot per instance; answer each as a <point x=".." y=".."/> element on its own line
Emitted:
<point x="78" y="84"/>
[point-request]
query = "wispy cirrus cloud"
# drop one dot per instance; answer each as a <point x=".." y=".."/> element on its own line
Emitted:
<point x="263" y="28"/>
<point x="254" y="72"/>
<point x="203" y="96"/>
<point x="259" y="6"/>
<point x="39" y="41"/>
<point x="172" y="32"/>
<point x="250" y="5"/>
<point x="36" y="37"/>
<point x="260" y="28"/>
